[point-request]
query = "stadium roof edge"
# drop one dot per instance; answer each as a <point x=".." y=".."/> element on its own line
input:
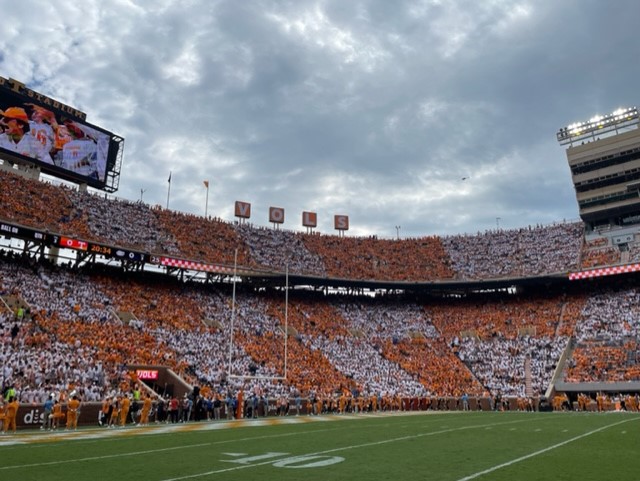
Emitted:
<point x="278" y="280"/>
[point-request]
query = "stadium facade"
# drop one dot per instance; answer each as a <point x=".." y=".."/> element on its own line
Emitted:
<point x="604" y="158"/>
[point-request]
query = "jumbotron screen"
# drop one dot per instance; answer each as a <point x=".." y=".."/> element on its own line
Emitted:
<point x="59" y="143"/>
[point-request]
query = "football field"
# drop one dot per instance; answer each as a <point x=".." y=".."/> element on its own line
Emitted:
<point x="452" y="446"/>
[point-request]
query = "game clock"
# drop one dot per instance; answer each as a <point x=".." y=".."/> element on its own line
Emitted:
<point x="102" y="250"/>
<point x="11" y="230"/>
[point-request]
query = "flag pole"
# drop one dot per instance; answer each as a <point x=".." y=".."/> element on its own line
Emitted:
<point x="206" y="203"/>
<point x="168" y="190"/>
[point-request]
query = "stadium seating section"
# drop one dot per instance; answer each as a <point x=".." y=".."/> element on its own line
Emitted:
<point x="71" y="335"/>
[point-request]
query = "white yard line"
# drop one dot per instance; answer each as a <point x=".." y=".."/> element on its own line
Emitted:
<point x="541" y="451"/>
<point x="164" y="429"/>
<point x="95" y="458"/>
<point x="97" y="434"/>
<point x="344" y="448"/>
<point x="152" y="451"/>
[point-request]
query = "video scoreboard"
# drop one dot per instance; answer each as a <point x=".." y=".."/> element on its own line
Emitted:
<point x="109" y="252"/>
<point x="38" y="130"/>
<point x="64" y="242"/>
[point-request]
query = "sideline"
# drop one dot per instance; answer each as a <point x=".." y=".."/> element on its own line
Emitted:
<point x="100" y="433"/>
<point x="160" y="450"/>
<point x="542" y="451"/>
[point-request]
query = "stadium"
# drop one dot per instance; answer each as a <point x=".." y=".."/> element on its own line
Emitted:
<point x="186" y="327"/>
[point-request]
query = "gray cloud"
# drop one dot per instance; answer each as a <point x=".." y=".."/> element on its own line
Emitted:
<point x="372" y="109"/>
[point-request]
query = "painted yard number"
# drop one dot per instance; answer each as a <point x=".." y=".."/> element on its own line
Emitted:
<point x="292" y="462"/>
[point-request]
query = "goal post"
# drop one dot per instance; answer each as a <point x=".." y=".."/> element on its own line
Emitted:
<point x="230" y="374"/>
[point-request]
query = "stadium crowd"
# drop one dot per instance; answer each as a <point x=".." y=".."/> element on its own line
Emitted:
<point x="521" y="252"/>
<point x="280" y="250"/>
<point x="606" y="339"/>
<point x="77" y="329"/>
<point x="500" y="364"/>
<point x="71" y="335"/>
<point x="123" y="223"/>
<point x="516" y="253"/>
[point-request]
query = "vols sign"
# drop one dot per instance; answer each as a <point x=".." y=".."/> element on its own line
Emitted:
<point x="309" y="219"/>
<point x="276" y="215"/>
<point x="341" y="222"/>
<point x="243" y="209"/>
<point x="147" y="374"/>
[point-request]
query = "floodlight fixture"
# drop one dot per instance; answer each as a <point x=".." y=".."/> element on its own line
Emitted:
<point x="620" y="119"/>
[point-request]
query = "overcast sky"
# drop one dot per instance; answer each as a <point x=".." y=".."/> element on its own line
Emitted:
<point x="374" y="109"/>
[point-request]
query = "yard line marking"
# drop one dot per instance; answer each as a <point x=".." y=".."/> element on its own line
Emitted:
<point x="238" y="423"/>
<point x="107" y="456"/>
<point x="152" y="451"/>
<point x="345" y="448"/>
<point x="93" y="434"/>
<point x="98" y="434"/>
<point x="542" y="451"/>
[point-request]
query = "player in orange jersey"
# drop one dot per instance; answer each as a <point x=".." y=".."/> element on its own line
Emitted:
<point x="11" y="412"/>
<point x="73" y="406"/>
<point x="146" y="409"/>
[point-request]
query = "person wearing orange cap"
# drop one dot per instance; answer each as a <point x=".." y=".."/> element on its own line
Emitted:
<point x="14" y="138"/>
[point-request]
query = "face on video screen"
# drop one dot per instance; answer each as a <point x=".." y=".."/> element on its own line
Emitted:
<point x="59" y="144"/>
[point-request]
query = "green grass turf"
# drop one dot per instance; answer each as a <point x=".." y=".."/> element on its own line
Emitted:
<point x="421" y="446"/>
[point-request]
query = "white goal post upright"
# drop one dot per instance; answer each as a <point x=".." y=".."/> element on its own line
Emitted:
<point x="233" y="317"/>
<point x="233" y="310"/>
<point x="286" y="315"/>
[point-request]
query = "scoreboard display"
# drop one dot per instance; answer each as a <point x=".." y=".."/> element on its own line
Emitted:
<point x="70" y="243"/>
<point x="64" y="242"/>
<point x="99" y="249"/>
<point x="57" y="138"/>
<point x="10" y="230"/>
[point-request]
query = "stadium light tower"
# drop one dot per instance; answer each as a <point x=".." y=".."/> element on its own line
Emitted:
<point x="603" y="154"/>
<point x="599" y="126"/>
<point x="398" y="232"/>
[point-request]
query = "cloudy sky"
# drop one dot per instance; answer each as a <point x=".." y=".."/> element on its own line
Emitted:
<point x="375" y="109"/>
